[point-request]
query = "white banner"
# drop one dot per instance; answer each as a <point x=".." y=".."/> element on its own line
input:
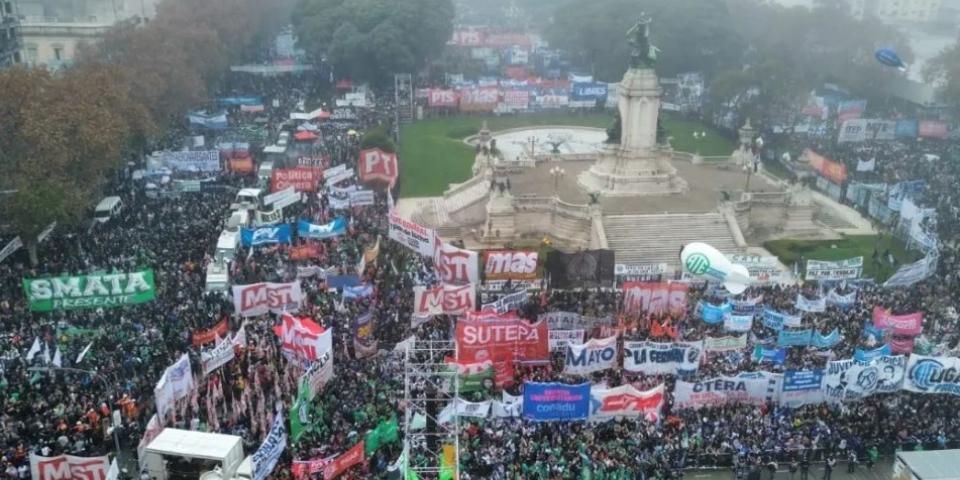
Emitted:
<point x="361" y="198"/>
<point x="864" y="129"/>
<point x="849" y="380"/>
<point x="413" y="236"/>
<point x="626" y="401"/>
<point x="655" y="358"/>
<point x="721" y="391"/>
<point x="302" y="340"/>
<point x="512" y="301"/>
<point x="805" y="304"/>
<point x="175" y="384"/>
<point x="939" y="375"/>
<point x="260" y="298"/>
<point x="737" y="323"/>
<point x="68" y="467"/>
<point x="462" y="408"/>
<point x="11" y="247"/>
<point x="838" y="270"/>
<point x="559" y="339"/>
<point x="725" y="344"/>
<point x="331" y="177"/>
<point x="455" y="266"/>
<point x="593" y="356"/>
<point x="266" y="457"/>
<point x="217" y="356"/>
<point x="319" y="373"/>
<point x="448" y="300"/>
<point x="510" y="406"/>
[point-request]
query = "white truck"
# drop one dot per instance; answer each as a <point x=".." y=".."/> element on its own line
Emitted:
<point x="188" y="454"/>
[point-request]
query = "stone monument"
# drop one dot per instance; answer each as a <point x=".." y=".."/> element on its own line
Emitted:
<point x="636" y="165"/>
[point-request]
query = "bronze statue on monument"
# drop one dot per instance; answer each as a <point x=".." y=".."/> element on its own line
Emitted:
<point x="644" y="54"/>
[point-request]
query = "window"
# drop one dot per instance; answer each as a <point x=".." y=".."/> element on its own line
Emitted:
<point x="8" y="8"/>
<point x="58" y="53"/>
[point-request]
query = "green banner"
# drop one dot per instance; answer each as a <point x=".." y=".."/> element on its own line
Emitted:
<point x="89" y="291"/>
<point x="386" y="432"/>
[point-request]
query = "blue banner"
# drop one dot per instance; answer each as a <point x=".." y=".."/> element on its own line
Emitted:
<point x="907" y="129"/>
<point x="776" y="320"/>
<point x="359" y="291"/>
<point x="266" y="457"/>
<point x="774" y="355"/>
<point x="794" y="338"/>
<point x="871" y="331"/>
<point x="582" y="92"/>
<point x="251" y="237"/>
<point x="237" y="101"/>
<point x="801" y="387"/>
<point x="545" y="402"/>
<point x="342" y="281"/>
<point x="212" y="121"/>
<point x="713" y="314"/>
<point x="738" y="323"/>
<point x="335" y="228"/>
<point x="867" y="355"/>
<point x="747" y="306"/>
<point x="826" y="341"/>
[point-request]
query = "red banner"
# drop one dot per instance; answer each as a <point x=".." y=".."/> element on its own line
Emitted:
<point x="445" y="300"/>
<point x="302" y="469"/>
<point x="341" y="464"/>
<point x="836" y="172"/>
<point x="307" y="251"/>
<point x="240" y="164"/>
<point x="932" y="129"/>
<point x="478" y="341"/>
<point x="202" y="337"/>
<point x="479" y="99"/>
<point x="468" y="38"/>
<point x="901" y="346"/>
<point x="516" y="99"/>
<point x="654" y="297"/>
<point x="510" y="264"/>
<point x="67" y="467"/>
<point x="378" y="166"/>
<point x="907" y="325"/>
<point x="442" y="98"/>
<point x="302" y="179"/>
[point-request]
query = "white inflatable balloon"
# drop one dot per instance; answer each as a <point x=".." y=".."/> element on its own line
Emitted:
<point x="705" y="261"/>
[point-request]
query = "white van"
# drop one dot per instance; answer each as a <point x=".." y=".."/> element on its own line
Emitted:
<point x="265" y="172"/>
<point x="218" y="276"/>
<point x="248" y="199"/>
<point x="108" y="208"/>
<point x="227" y="244"/>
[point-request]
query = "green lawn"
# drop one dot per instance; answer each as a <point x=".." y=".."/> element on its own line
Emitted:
<point x="433" y="155"/>
<point x="790" y="251"/>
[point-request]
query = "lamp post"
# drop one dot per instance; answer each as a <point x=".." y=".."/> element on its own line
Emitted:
<point x="106" y="388"/>
<point x="557" y="173"/>
<point x="697" y="138"/>
<point x="748" y="169"/>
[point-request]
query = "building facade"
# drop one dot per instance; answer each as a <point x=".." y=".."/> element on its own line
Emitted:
<point x="896" y="11"/>
<point x="9" y="34"/>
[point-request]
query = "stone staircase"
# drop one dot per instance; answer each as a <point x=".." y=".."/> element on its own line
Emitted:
<point x="458" y="198"/>
<point x="642" y="239"/>
<point x="800" y="223"/>
<point x="829" y="218"/>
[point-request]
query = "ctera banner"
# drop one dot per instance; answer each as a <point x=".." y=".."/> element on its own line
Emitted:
<point x="90" y="291"/>
<point x="751" y="390"/>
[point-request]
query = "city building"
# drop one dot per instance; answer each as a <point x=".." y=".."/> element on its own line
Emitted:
<point x="895" y="11"/>
<point x="9" y="34"/>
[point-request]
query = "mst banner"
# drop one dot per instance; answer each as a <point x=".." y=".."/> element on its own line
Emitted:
<point x="587" y="269"/>
<point x="89" y="291"/>
<point x="67" y="467"/>
<point x="721" y="391"/>
<point x="260" y="298"/>
<point x="443" y="300"/>
<point x="654" y="358"/>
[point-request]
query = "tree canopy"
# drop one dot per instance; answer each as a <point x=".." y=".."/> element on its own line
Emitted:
<point x="944" y="71"/>
<point x="368" y="40"/>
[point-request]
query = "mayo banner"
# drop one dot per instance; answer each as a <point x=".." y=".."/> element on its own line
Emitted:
<point x="794" y="338"/>
<point x="375" y="165"/>
<point x="777" y="320"/>
<point x="906" y="325"/>
<point x="67" y="467"/>
<point x="737" y="323"/>
<point x="713" y="314"/>
<point x="805" y="304"/>
<point x="933" y="375"/>
<point x="593" y="356"/>
<point x="839" y="270"/>
<point x="455" y="266"/>
<point x="443" y="300"/>
<point x="861" y="355"/>
<point x="662" y="358"/>
<point x="260" y="298"/>
<point x="826" y="341"/>
<point x="411" y="235"/>
<point x="510" y="265"/>
<point x="544" y="402"/>
<point x="850" y="380"/>
<point x="626" y="401"/>
<point x="801" y="387"/>
<point x="721" y="391"/>
<point x="724" y="344"/>
<point x="650" y="297"/>
<point x="559" y="339"/>
<point x="481" y="340"/>
<point x="266" y="457"/>
<point x="253" y="237"/>
<point x="89" y="291"/>
<point x="335" y="228"/>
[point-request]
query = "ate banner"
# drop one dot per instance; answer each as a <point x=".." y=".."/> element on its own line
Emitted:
<point x="586" y="269"/>
<point x="481" y="340"/>
<point x="68" y="467"/>
<point x="653" y="358"/>
<point x="260" y="298"/>
<point x="89" y="291"/>
<point x="626" y="401"/>
<point x="594" y="355"/>
<point x="443" y="300"/>
<point x="455" y="266"/>
<point x="378" y="166"/>
<point x="654" y="297"/>
<point x="412" y="235"/>
<point x="202" y="337"/>
<point x="510" y="265"/>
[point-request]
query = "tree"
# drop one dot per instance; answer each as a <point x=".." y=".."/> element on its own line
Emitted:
<point x="944" y="71"/>
<point x="378" y="138"/>
<point x="368" y="40"/>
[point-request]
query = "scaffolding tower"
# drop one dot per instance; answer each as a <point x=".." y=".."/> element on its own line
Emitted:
<point x="403" y="96"/>
<point x="430" y="385"/>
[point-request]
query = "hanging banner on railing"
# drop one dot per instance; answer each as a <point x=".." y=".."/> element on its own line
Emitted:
<point x="654" y="358"/>
<point x="593" y="356"/>
<point x="722" y="391"/>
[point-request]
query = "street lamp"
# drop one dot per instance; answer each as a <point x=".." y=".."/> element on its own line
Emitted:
<point x="557" y="173"/>
<point x="697" y="137"/>
<point x="106" y="388"/>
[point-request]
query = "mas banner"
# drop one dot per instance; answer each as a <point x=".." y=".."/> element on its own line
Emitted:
<point x="260" y="298"/>
<point x="933" y="375"/>
<point x="907" y="325"/>
<point x="801" y="387"/>
<point x="721" y="391"/>
<point x="657" y="298"/>
<point x="67" y="467"/>
<point x="556" y="401"/>
<point x="586" y="269"/>
<point x="839" y="270"/>
<point x="411" y="235"/>
<point x="378" y="166"/>
<point x="626" y="401"/>
<point x="510" y="265"/>
<point x="654" y="358"/>
<point x="89" y="291"/>
<point x="252" y="237"/>
<point x="850" y="380"/>
<point x="593" y="356"/>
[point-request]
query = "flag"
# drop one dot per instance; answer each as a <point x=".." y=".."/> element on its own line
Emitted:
<point x="46" y="354"/>
<point x="299" y="417"/>
<point x="57" y="360"/>
<point x="448" y="467"/>
<point x="34" y="349"/>
<point x="240" y="339"/>
<point x="84" y="353"/>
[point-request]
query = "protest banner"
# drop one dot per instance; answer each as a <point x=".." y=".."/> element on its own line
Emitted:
<point x="252" y="237"/>
<point x="438" y="98"/>
<point x="412" y="235"/>
<point x="259" y="298"/>
<point x="307" y="251"/>
<point x="777" y="320"/>
<point x="218" y="356"/>
<point x="654" y="297"/>
<point x="303" y="341"/>
<point x="342" y="463"/>
<point x="68" y="467"/>
<point x="721" y="391"/>
<point x="479" y="340"/>
<point x="762" y="354"/>
<point x="746" y="306"/>
<point x="794" y="338"/>
<point x="555" y="401"/>
<point x="377" y="166"/>
<point x="936" y="375"/>
<point x="592" y="356"/>
<point x="626" y="401"/>
<point x="862" y="355"/>
<point x="801" y="387"/>
<point x="175" y="384"/>
<point x="724" y="344"/>
<point x="89" y="291"/>
<point x="851" y="380"/>
<point x="334" y="228"/>
<point x="443" y="300"/>
<point x="510" y="265"/>
<point x="202" y="337"/>
<point x="713" y="314"/>
<point x="317" y="375"/>
<point x="302" y="179"/>
<point x="560" y="338"/>
<point x="455" y="266"/>
<point x="364" y="343"/>
<point x="662" y="358"/>
<point x="844" y="301"/>
<point x="506" y="303"/>
<point x="906" y="325"/>
<point x="737" y="323"/>
<point x="826" y="341"/>
<point x="838" y="270"/>
<point x="189" y="160"/>
<point x="812" y="305"/>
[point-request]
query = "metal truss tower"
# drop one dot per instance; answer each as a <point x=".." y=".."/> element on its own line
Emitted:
<point x="429" y="386"/>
